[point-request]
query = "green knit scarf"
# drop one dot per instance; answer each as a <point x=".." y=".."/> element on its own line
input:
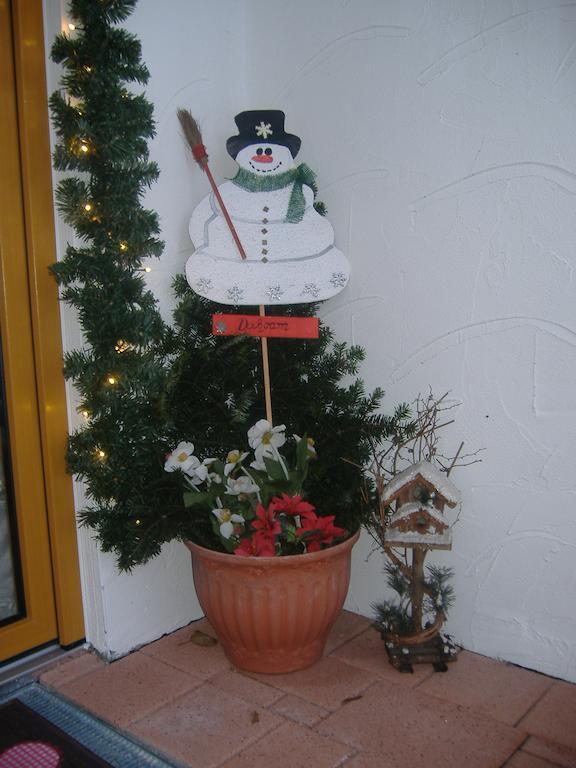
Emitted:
<point x="298" y="176"/>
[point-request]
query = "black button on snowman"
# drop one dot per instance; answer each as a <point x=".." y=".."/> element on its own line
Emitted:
<point x="290" y="251"/>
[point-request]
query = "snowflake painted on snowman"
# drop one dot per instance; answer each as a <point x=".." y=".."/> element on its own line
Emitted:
<point x="289" y="245"/>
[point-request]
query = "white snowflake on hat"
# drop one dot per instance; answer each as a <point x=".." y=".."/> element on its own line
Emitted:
<point x="264" y="129"/>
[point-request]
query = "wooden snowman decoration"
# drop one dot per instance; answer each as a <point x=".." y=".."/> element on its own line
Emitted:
<point x="289" y="253"/>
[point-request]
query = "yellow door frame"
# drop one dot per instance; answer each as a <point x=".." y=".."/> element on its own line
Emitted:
<point x="32" y="346"/>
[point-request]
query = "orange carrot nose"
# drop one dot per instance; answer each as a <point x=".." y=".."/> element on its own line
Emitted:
<point x="262" y="158"/>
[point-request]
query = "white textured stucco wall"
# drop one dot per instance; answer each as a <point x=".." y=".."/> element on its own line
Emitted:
<point x="442" y="133"/>
<point x="443" y="137"/>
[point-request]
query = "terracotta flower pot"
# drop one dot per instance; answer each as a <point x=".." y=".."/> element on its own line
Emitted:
<point x="272" y="614"/>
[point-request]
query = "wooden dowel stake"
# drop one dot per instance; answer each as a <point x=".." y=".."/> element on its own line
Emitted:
<point x="266" y="372"/>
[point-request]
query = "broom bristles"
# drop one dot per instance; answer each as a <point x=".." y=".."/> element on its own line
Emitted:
<point x="190" y="128"/>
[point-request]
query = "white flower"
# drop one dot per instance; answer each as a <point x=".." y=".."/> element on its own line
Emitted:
<point x="182" y="458"/>
<point x="241" y="484"/>
<point x="259" y="453"/>
<point x="227" y="520"/>
<point x="211" y="477"/>
<point x="263" y="433"/>
<point x="311" y="445"/>
<point x="269" y="452"/>
<point x="197" y="474"/>
<point x="234" y="459"/>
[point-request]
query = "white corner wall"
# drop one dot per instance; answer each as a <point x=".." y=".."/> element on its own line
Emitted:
<point x="443" y="138"/>
<point x="195" y="54"/>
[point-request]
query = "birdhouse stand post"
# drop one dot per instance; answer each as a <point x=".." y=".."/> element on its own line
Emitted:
<point x="420" y="494"/>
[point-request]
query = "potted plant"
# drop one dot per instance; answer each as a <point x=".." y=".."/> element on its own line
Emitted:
<point x="143" y="385"/>
<point x="279" y="579"/>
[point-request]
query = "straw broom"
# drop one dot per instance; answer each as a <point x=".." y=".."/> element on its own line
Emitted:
<point x="193" y="136"/>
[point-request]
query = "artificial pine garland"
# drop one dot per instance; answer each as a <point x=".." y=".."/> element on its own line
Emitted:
<point x="120" y="374"/>
<point x="143" y="386"/>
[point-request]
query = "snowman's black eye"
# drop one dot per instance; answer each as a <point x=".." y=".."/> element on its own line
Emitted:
<point x="267" y="151"/>
<point x="259" y="151"/>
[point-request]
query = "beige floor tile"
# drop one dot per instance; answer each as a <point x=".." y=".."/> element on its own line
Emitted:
<point x="367" y="652"/>
<point x="327" y="683"/>
<point x="71" y="669"/>
<point x="128" y="689"/>
<point x="245" y="687"/>
<point x="347" y="626"/>
<point x="554" y="716"/>
<point x="554" y="753"/>
<point x="371" y="760"/>
<point x="498" y="690"/>
<point x="524" y="760"/>
<point x="205" y="727"/>
<point x="413" y="729"/>
<point x="179" y="651"/>
<point x="299" y="710"/>
<point x="292" y="746"/>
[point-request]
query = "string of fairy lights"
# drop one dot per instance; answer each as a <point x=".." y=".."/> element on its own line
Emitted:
<point x="82" y="146"/>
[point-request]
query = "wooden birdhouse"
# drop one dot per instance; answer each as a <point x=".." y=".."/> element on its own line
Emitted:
<point x="418" y="525"/>
<point x="420" y="493"/>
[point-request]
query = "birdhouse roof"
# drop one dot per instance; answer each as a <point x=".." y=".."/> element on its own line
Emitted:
<point x="428" y="472"/>
<point x="406" y="510"/>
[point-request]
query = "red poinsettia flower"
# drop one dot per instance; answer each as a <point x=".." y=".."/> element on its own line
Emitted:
<point x="266" y="521"/>
<point x="319" y="531"/>
<point x="261" y="544"/>
<point x="292" y="505"/>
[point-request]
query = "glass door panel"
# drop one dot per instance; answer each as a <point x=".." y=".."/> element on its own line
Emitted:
<point x="11" y="591"/>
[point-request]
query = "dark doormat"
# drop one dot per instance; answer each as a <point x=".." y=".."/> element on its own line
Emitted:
<point x="38" y="729"/>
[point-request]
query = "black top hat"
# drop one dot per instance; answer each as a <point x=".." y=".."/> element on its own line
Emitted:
<point x="261" y="126"/>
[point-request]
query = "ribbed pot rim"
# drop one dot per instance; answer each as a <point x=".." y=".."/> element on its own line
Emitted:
<point x="286" y="561"/>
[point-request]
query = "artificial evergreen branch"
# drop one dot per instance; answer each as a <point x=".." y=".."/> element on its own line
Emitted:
<point x="120" y="375"/>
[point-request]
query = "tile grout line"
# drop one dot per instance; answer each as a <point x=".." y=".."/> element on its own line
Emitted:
<point x="542" y="759"/>
<point x="181" y="695"/>
<point x="251" y="743"/>
<point x="348" y="640"/>
<point x="534" y="704"/>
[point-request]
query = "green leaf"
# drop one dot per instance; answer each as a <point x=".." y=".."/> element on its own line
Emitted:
<point x="274" y="469"/>
<point x="197" y="499"/>
<point x="302" y="456"/>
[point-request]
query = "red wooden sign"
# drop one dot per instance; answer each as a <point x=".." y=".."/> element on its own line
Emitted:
<point x="256" y="325"/>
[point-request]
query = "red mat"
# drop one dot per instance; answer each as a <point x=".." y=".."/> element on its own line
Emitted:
<point x="28" y="740"/>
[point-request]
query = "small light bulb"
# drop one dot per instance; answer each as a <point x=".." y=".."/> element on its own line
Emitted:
<point x="122" y="346"/>
<point x="112" y="380"/>
<point x="88" y="69"/>
<point x="87" y="207"/>
<point x="100" y="453"/>
<point x="138" y="522"/>
<point x="85" y="414"/>
<point x="147" y="269"/>
<point x="71" y="27"/>
<point x="123" y="245"/>
<point x="84" y="148"/>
